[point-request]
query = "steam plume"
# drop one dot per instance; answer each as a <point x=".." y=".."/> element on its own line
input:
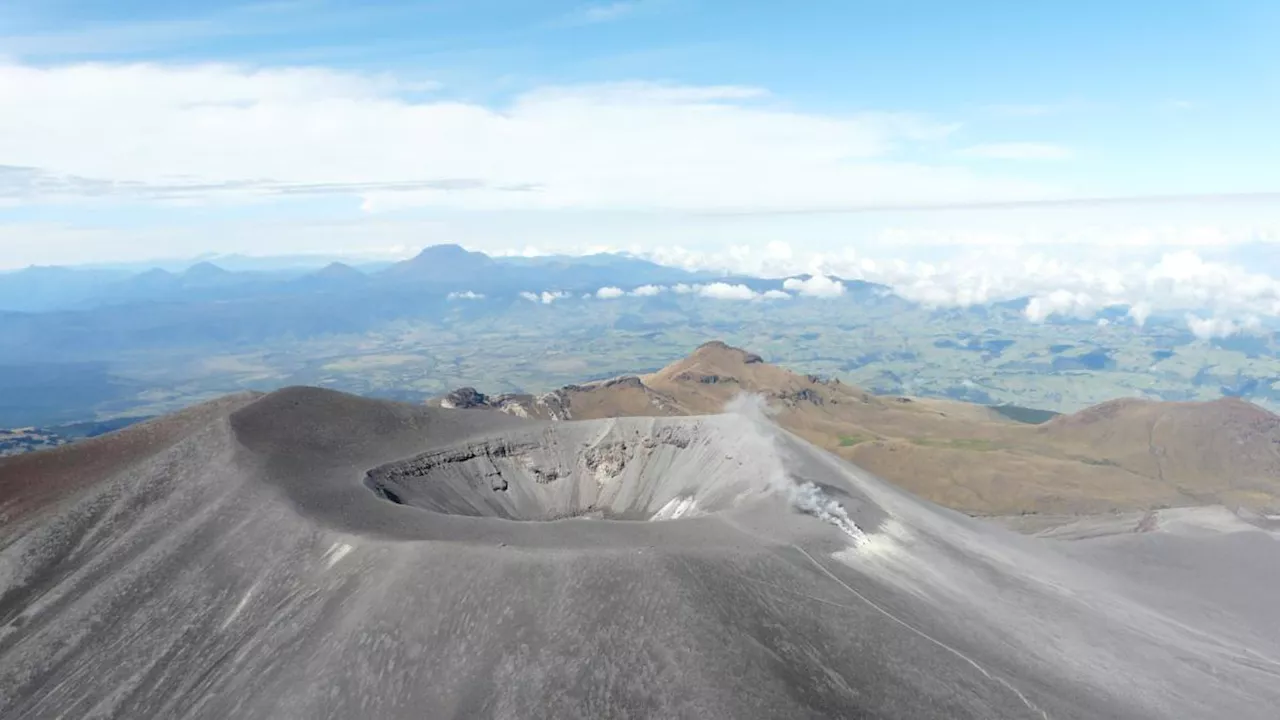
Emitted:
<point x="805" y="497"/>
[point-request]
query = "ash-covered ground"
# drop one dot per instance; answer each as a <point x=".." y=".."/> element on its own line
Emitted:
<point x="308" y="554"/>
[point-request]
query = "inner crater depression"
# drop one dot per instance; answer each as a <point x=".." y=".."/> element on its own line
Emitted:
<point x="620" y="469"/>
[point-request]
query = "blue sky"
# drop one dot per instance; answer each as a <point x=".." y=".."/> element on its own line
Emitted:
<point x="137" y="128"/>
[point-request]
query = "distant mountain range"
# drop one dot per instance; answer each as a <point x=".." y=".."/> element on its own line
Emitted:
<point x="437" y="270"/>
<point x="99" y="342"/>
<point x="64" y="332"/>
<point x="69" y="314"/>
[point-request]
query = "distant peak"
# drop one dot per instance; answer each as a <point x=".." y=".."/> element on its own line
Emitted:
<point x="720" y="348"/>
<point x="447" y="250"/>
<point x="204" y="269"/>
<point x="337" y="270"/>
<point x="443" y="262"/>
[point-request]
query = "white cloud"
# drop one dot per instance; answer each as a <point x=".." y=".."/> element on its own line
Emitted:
<point x="779" y="251"/>
<point x="527" y="251"/>
<point x="466" y="295"/>
<point x="1139" y="312"/>
<point x="1059" y="302"/>
<point x="726" y="291"/>
<point x="1103" y="322"/>
<point x="1219" y="327"/>
<point x="199" y="133"/>
<point x="714" y="291"/>
<point x="1017" y="151"/>
<point x="1069" y="280"/>
<point x="545" y="297"/>
<point x="816" y="286"/>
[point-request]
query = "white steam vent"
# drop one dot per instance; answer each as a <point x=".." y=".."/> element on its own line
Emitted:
<point x="804" y="496"/>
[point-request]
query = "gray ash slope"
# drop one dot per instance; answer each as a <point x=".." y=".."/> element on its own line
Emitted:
<point x="308" y="554"/>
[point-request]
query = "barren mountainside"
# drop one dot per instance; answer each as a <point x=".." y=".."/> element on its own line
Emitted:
<point x="309" y="554"/>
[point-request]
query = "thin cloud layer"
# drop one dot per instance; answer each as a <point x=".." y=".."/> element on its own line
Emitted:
<point x="238" y="134"/>
<point x="604" y="12"/>
<point x="1018" y="151"/>
<point x="1064" y="286"/>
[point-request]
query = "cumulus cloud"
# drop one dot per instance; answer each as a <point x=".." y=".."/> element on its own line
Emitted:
<point x="816" y="286"/>
<point x="466" y="295"/>
<point x="1067" y="280"/>
<point x="545" y="297"/>
<point x="1176" y="282"/>
<point x="1059" y="302"/>
<point x="714" y="291"/>
<point x="1187" y="278"/>
<point x="1218" y="327"/>
<point x="201" y="132"/>
<point x="726" y="291"/>
<point x="1139" y="312"/>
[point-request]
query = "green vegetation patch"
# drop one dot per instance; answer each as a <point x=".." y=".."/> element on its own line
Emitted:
<point x="1030" y="416"/>
<point x="958" y="444"/>
<point x="1103" y="462"/>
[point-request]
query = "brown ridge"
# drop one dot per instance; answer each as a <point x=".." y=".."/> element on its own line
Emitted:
<point x="1126" y="454"/>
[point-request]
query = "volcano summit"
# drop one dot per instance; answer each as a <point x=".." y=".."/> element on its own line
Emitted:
<point x="309" y="554"/>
